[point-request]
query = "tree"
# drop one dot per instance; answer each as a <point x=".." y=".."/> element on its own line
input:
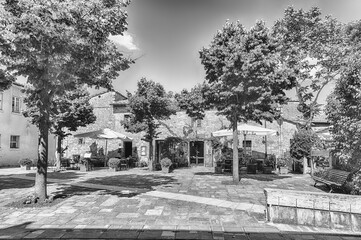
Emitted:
<point x="58" y="46"/>
<point x="343" y="112"/>
<point x="245" y="81"/>
<point x="313" y="48"/>
<point x="72" y="110"/>
<point x="149" y="105"/>
<point x="192" y="101"/>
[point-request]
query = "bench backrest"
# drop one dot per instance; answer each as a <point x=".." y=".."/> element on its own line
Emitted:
<point x="337" y="176"/>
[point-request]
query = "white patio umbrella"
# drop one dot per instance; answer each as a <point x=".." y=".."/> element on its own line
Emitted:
<point x="246" y="129"/>
<point x="106" y="134"/>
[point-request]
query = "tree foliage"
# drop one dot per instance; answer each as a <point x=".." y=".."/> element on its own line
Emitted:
<point x="244" y="78"/>
<point x="313" y="47"/>
<point x="343" y="112"/>
<point x="59" y="46"/>
<point x="302" y="143"/>
<point x="148" y="105"/>
<point x="193" y="101"/>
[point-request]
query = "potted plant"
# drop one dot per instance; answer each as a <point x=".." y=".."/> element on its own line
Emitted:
<point x="282" y="165"/>
<point x="165" y="163"/>
<point x="25" y="164"/>
<point x="251" y="164"/>
<point x="269" y="163"/>
<point x="85" y="165"/>
<point x="114" y="164"/>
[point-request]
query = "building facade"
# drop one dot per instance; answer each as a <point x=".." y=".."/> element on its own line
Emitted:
<point x="18" y="137"/>
<point x="110" y="109"/>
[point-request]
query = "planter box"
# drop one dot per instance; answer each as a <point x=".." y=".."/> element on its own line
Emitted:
<point x="25" y="167"/>
<point x="252" y="168"/>
<point x="267" y="170"/>
<point x="283" y="170"/>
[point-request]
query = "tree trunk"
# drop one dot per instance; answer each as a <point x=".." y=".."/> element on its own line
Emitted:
<point x="58" y="152"/>
<point x="304" y="165"/>
<point x="312" y="166"/>
<point x="150" y="162"/>
<point x="42" y="164"/>
<point x="235" y="152"/>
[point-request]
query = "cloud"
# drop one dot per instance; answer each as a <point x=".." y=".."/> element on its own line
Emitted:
<point x="126" y="41"/>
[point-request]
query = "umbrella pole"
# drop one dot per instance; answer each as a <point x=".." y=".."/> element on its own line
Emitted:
<point x="106" y="152"/>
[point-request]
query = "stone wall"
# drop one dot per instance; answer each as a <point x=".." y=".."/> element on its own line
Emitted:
<point x="179" y="125"/>
<point x="335" y="211"/>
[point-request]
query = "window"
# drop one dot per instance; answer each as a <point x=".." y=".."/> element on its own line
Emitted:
<point x="16" y="105"/>
<point x="14" y="141"/>
<point x="81" y="141"/>
<point x="247" y="145"/>
<point x="1" y="100"/>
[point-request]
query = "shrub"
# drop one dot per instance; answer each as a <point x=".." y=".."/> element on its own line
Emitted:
<point x="25" y="162"/>
<point x="302" y="143"/>
<point x="284" y="162"/>
<point x="114" y="162"/>
<point x="165" y="162"/>
<point x="142" y="163"/>
<point x="353" y="184"/>
<point x="270" y="161"/>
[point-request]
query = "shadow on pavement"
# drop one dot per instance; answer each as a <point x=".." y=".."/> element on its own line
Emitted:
<point x="134" y="181"/>
<point x="128" y="185"/>
<point x="71" y="190"/>
<point x="25" y="231"/>
<point x="265" y="177"/>
<point x="61" y="175"/>
<point x="8" y="183"/>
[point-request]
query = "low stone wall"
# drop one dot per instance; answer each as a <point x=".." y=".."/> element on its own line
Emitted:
<point x="327" y="210"/>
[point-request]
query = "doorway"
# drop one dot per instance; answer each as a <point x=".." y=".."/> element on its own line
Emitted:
<point x="158" y="150"/>
<point x="128" y="149"/>
<point x="196" y="154"/>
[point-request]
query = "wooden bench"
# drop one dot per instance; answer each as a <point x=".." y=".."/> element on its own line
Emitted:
<point x="333" y="179"/>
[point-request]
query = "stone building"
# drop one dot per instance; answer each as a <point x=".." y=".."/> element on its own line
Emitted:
<point x="111" y="109"/>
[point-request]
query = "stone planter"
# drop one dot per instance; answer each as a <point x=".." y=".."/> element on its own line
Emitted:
<point x="283" y="170"/>
<point x="114" y="169"/>
<point x="84" y="168"/>
<point x="267" y="170"/>
<point x="166" y="169"/>
<point x="25" y="167"/>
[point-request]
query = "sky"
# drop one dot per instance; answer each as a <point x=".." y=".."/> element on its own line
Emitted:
<point x="166" y="35"/>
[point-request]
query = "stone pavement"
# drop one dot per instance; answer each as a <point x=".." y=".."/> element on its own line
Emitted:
<point x="186" y="204"/>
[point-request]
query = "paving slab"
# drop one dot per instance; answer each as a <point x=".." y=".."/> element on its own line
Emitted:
<point x="193" y="202"/>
